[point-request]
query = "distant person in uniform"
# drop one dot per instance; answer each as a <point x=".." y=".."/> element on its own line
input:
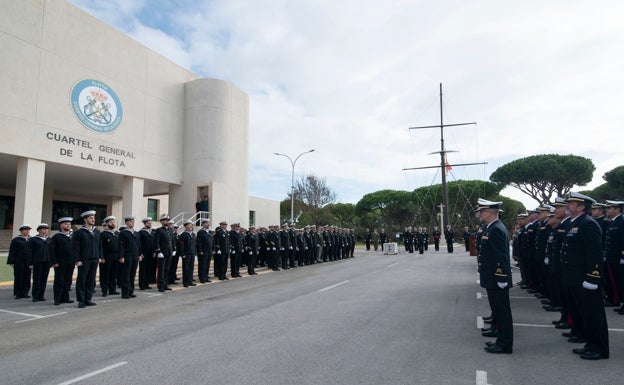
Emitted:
<point x="205" y="250"/>
<point x="466" y="236"/>
<point x="375" y="239"/>
<point x="147" y="265"/>
<point x="436" y="238"/>
<point x="383" y="237"/>
<point x="449" y="236"/>
<point x="202" y="207"/>
<point x="18" y="260"/>
<point x="129" y="257"/>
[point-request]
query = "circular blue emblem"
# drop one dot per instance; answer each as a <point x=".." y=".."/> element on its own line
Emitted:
<point x="96" y="105"/>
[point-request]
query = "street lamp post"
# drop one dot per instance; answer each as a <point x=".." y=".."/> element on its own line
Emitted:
<point x="292" y="182"/>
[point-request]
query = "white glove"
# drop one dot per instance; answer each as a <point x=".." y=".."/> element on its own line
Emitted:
<point x="621" y="261"/>
<point x="160" y="255"/>
<point x="281" y="248"/>
<point x="274" y="248"/>
<point x="502" y="285"/>
<point x="268" y="248"/>
<point x="589" y="286"/>
<point x="219" y="252"/>
<point x="546" y="260"/>
<point x="290" y="247"/>
<point x="233" y="251"/>
<point x="250" y="253"/>
<point x="173" y="254"/>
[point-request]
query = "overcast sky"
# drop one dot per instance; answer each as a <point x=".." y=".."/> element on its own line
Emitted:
<point x="349" y="77"/>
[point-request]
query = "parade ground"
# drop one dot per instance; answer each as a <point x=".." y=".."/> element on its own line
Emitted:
<point x="373" y="319"/>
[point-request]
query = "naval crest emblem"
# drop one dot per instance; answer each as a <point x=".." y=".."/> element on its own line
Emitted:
<point x="96" y="106"/>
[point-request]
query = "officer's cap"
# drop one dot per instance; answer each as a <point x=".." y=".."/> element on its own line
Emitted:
<point x="285" y="225"/>
<point x="187" y="222"/>
<point x="109" y="218"/>
<point x="128" y="218"/>
<point x="486" y="204"/>
<point x="204" y="220"/>
<point x="146" y="219"/>
<point x="42" y="226"/>
<point x="235" y="224"/>
<point x="559" y="202"/>
<point x="223" y="223"/>
<point x="87" y="213"/>
<point x="598" y="205"/>
<point x="164" y="217"/>
<point x="578" y="197"/>
<point x="65" y="219"/>
<point x="24" y="227"/>
<point x="619" y="204"/>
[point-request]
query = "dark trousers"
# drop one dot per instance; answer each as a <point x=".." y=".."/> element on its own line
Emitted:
<point x="501" y="310"/>
<point x="173" y="269"/>
<point x="108" y="275"/>
<point x="152" y="267"/>
<point x="221" y="265"/>
<point x="235" y="261"/>
<point x="62" y="281"/>
<point x="163" y="271"/>
<point x="449" y="246"/>
<point x="595" y="329"/>
<point x="144" y="268"/>
<point x="436" y="243"/>
<point x="85" y="282"/>
<point x="252" y="263"/>
<point x="21" y="281"/>
<point x="188" y="266"/>
<point x="368" y="245"/>
<point x="203" y="266"/>
<point x="284" y="258"/>
<point x="612" y="286"/>
<point x="40" y="280"/>
<point x="127" y="274"/>
<point x="574" y="310"/>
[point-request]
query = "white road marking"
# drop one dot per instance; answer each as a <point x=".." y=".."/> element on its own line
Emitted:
<point x="521" y="297"/>
<point x="88" y="375"/>
<point x="332" y="286"/>
<point x="31" y="316"/>
<point x="479" y="295"/>
<point x="480" y="322"/>
<point x="478" y="281"/>
<point x="481" y="377"/>
<point x="39" y="317"/>
<point x="393" y="264"/>
<point x="552" y="326"/>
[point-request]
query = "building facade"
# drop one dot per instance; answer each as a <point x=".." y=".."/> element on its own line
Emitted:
<point x="90" y="118"/>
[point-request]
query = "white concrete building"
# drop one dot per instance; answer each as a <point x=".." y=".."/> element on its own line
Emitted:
<point x="90" y="118"/>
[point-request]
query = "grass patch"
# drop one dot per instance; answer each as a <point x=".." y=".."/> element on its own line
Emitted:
<point x="6" y="271"/>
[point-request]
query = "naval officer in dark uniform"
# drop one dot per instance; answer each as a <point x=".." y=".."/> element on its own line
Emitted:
<point x="205" y="249"/>
<point x="581" y="265"/>
<point x="164" y="246"/>
<point x="129" y="257"/>
<point x="39" y="261"/>
<point x="495" y="274"/>
<point x="18" y="260"/>
<point x="62" y="259"/>
<point x="87" y="254"/>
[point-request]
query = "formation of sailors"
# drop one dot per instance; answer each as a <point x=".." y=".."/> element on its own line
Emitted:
<point x="416" y="239"/>
<point x="155" y="253"/>
<point x="571" y="256"/>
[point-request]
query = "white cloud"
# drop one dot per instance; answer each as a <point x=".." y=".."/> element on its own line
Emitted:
<point x="348" y="78"/>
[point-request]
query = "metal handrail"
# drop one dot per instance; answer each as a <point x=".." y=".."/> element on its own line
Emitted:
<point x="184" y="216"/>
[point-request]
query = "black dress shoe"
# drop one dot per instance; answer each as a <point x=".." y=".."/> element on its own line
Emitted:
<point x="125" y="296"/>
<point x="104" y="294"/>
<point x="68" y="301"/>
<point x="208" y="281"/>
<point x="161" y="290"/>
<point x="489" y="333"/>
<point x="168" y="288"/>
<point x="563" y="325"/>
<point x="488" y="329"/>
<point x="545" y="301"/>
<point x="132" y="295"/>
<point x="609" y="304"/>
<point x="496" y="349"/>
<point x="490" y="343"/>
<point x="185" y="285"/>
<point x="567" y="334"/>
<point x="90" y="303"/>
<point x="490" y="321"/>
<point x="19" y="297"/>
<point x="192" y="284"/>
<point x="558" y="321"/>
<point x="580" y="350"/>
<point x="589" y="355"/>
<point x="56" y="303"/>
<point x="577" y="340"/>
<point x="114" y="293"/>
<point x="81" y="305"/>
<point x="27" y="296"/>
<point x="148" y="287"/>
<point x="35" y="300"/>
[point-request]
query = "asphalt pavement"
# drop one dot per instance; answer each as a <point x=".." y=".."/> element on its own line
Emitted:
<point x="373" y="319"/>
